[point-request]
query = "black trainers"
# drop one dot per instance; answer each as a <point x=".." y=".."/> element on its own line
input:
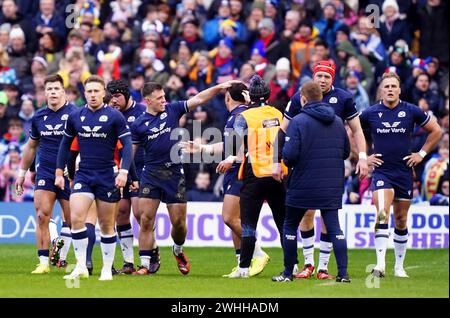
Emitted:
<point x="115" y="271"/>
<point x="155" y="261"/>
<point x="90" y="267"/>
<point x="282" y="278"/>
<point x="127" y="269"/>
<point x="344" y="279"/>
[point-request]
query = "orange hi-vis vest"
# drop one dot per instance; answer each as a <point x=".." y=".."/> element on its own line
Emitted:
<point x="263" y="124"/>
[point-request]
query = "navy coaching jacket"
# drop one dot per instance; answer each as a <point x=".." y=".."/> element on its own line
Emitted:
<point x="316" y="147"/>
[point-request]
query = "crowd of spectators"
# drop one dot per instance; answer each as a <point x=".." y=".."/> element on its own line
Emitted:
<point x="191" y="45"/>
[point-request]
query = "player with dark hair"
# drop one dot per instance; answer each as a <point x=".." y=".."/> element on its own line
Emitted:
<point x="121" y="99"/>
<point x="163" y="176"/>
<point x="98" y="127"/>
<point x="46" y="133"/>
<point x="257" y="128"/>
<point x="235" y="100"/>
<point x="316" y="147"/>
<point x="344" y="107"/>
<point x="391" y="123"/>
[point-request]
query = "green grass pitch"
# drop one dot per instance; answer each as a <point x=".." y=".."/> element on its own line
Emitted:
<point x="428" y="269"/>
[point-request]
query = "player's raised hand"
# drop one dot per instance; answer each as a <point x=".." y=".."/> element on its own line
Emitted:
<point x="413" y="159"/>
<point x="190" y="147"/>
<point x="374" y="160"/>
<point x="277" y="172"/>
<point x="121" y="179"/>
<point x="362" y="168"/>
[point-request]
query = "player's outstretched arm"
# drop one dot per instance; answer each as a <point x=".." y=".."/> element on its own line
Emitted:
<point x="29" y="153"/>
<point x="208" y="94"/>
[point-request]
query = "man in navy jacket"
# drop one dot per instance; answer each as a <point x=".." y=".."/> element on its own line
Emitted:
<point x="315" y="149"/>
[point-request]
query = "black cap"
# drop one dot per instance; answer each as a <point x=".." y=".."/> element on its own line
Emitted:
<point x="259" y="90"/>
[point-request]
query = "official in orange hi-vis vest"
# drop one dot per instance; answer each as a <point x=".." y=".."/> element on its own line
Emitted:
<point x="257" y="128"/>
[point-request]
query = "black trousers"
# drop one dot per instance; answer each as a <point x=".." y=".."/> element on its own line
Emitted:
<point x="253" y="194"/>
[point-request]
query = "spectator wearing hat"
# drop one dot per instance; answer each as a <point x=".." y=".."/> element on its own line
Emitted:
<point x="12" y="92"/>
<point x="397" y="63"/>
<point x="152" y="68"/>
<point x="393" y="25"/>
<point x="19" y="56"/>
<point x="213" y="29"/>
<point x="353" y="64"/>
<point x="10" y="14"/>
<point x="9" y="168"/>
<point x="303" y="46"/>
<point x="263" y="67"/>
<point x="368" y="41"/>
<point x="342" y="34"/>
<point x="4" y="118"/>
<point x="273" y="47"/>
<point x="328" y="24"/>
<point x="353" y="85"/>
<point x="183" y="54"/>
<point x="282" y="86"/>
<point x="224" y="65"/>
<point x="47" y="20"/>
<point x="229" y="29"/>
<point x="190" y="34"/>
<point x="438" y="82"/>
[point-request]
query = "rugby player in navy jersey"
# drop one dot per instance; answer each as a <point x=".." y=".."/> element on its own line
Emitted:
<point x="46" y="133"/>
<point x="163" y="178"/>
<point x="344" y="107"/>
<point x="235" y="100"/>
<point x="122" y="101"/>
<point x="391" y="123"/>
<point x="98" y="127"/>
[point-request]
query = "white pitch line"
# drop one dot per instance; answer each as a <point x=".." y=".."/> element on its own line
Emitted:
<point x="412" y="267"/>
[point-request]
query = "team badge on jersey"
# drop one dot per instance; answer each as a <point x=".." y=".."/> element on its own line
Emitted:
<point x="401" y="114"/>
<point x="163" y="115"/>
<point x="131" y="119"/>
<point x="77" y="186"/>
<point x="64" y="117"/>
<point x="103" y="118"/>
<point x="333" y="100"/>
<point x="380" y="183"/>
